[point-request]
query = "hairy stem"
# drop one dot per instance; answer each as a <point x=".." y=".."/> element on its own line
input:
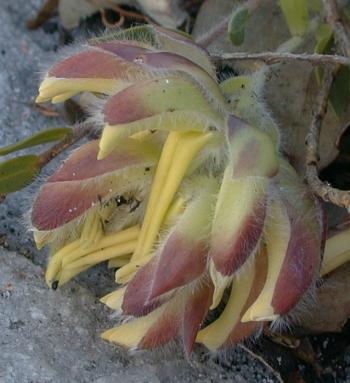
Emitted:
<point x="78" y="133"/>
<point x="270" y="58"/>
<point x="334" y="20"/>
<point x="206" y="39"/>
<point x="322" y="189"/>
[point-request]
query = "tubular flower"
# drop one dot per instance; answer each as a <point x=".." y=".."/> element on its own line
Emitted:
<point x="185" y="193"/>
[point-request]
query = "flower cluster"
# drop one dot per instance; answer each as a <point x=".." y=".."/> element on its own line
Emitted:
<point x="186" y="193"/>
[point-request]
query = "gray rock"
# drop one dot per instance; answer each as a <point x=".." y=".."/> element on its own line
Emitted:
<point x="53" y="336"/>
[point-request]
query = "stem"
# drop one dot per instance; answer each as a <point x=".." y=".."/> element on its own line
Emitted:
<point x="270" y="58"/>
<point x="206" y="39"/>
<point x="70" y="139"/>
<point x="44" y="14"/>
<point x="128" y="14"/>
<point x="323" y="189"/>
<point x="334" y="20"/>
<point x="262" y="361"/>
<point x="213" y="34"/>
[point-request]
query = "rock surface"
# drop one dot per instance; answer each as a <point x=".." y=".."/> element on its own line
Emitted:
<point x="53" y="336"/>
<point x="49" y="336"/>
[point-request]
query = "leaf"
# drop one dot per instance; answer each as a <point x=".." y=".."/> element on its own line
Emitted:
<point x="314" y="5"/>
<point x="340" y="92"/>
<point x="18" y="172"/>
<point x="324" y="41"/>
<point x="236" y="25"/>
<point x="49" y="135"/>
<point x="296" y="14"/>
<point x="346" y="11"/>
<point x="213" y="12"/>
<point x="323" y="36"/>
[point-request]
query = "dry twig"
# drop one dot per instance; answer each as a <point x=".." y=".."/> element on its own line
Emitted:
<point x="270" y="58"/>
<point x="221" y="27"/>
<point x="107" y="23"/>
<point x="213" y="34"/>
<point x="70" y="139"/>
<point x="123" y="13"/>
<point x="339" y="30"/>
<point x="276" y="374"/>
<point x="323" y="189"/>
<point x="44" y="14"/>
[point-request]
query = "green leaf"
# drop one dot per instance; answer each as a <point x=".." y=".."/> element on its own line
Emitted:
<point x="346" y="11"/>
<point x="340" y="92"/>
<point x="49" y="135"/>
<point x="236" y="25"/>
<point x="324" y="38"/>
<point x="18" y="172"/>
<point x="296" y="15"/>
<point x="314" y="5"/>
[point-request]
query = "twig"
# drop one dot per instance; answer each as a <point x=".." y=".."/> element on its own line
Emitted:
<point x="313" y="137"/>
<point x="339" y="30"/>
<point x="221" y="27"/>
<point x="107" y="23"/>
<point x="262" y="361"/>
<point x="277" y="57"/>
<point x="213" y="34"/>
<point x="44" y="14"/>
<point x="323" y="189"/>
<point x="70" y="139"/>
<point x="128" y="14"/>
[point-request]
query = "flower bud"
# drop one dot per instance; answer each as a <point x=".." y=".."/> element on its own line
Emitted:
<point x="83" y="181"/>
<point x="293" y="243"/>
<point x="241" y="204"/>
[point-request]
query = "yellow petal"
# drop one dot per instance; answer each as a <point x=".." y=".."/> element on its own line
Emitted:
<point x="220" y="284"/>
<point x="119" y="261"/>
<point x="336" y="252"/>
<point x="158" y="182"/>
<point x="55" y="262"/>
<point x="162" y="193"/>
<point x="131" y="333"/>
<point x="278" y="233"/>
<point x="103" y="255"/>
<point x="107" y="241"/>
<point x="215" y="335"/>
<point x="52" y="87"/>
<point x="127" y="272"/>
<point x="114" y="300"/>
